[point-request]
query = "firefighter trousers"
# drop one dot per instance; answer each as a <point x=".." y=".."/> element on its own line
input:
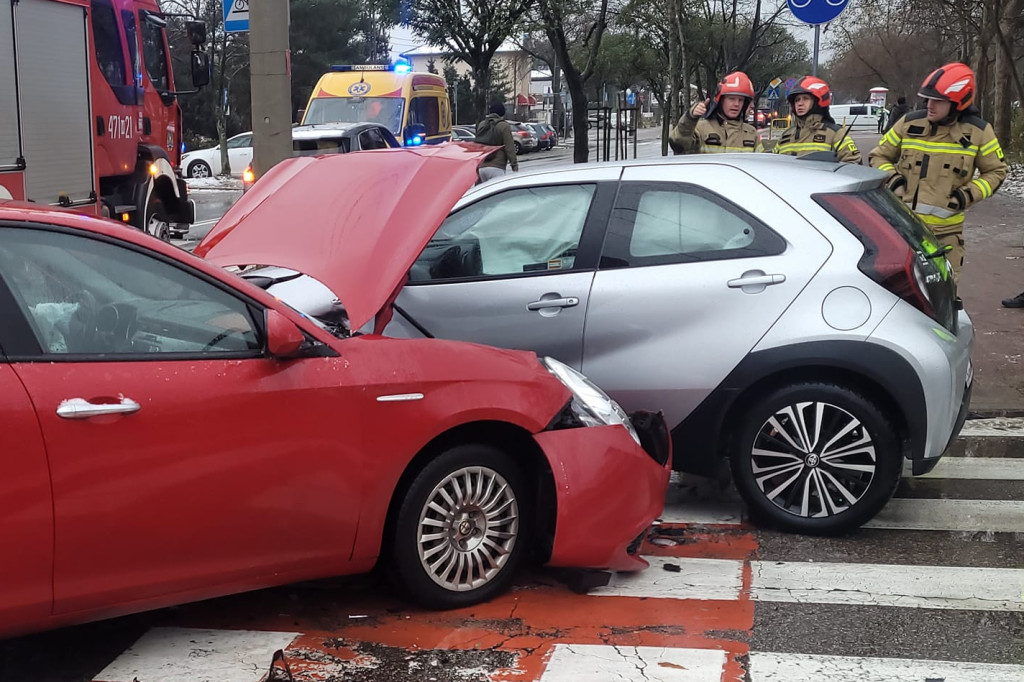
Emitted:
<point x="955" y="254"/>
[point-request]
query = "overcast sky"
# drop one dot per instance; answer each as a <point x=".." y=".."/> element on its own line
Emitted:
<point x="402" y="40"/>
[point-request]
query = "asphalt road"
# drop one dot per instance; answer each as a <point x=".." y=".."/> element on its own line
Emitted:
<point x="930" y="590"/>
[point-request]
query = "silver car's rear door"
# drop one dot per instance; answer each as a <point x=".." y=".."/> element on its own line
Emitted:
<point x="512" y="269"/>
<point x="699" y="261"/>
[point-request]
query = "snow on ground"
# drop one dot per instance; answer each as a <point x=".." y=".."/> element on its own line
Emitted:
<point x="217" y="183"/>
<point x="1014" y="183"/>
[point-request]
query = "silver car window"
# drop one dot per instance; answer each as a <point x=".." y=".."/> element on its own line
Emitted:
<point x="536" y="229"/>
<point x="661" y="222"/>
<point x="671" y="222"/>
<point x="87" y="296"/>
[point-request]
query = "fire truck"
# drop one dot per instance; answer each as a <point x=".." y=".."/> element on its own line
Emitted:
<point x="89" y="118"/>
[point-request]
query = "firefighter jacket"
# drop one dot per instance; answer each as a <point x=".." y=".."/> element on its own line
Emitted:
<point x="932" y="166"/>
<point x="814" y="134"/>
<point x="713" y="135"/>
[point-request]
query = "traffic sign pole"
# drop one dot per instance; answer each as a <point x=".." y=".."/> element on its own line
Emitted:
<point x="816" y="13"/>
<point x="817" y="37"/>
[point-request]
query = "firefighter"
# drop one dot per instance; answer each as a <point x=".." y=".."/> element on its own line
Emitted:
<point x="932" y="155"/>
<point x="719" y="126"/>
<point x="813" y="130"/>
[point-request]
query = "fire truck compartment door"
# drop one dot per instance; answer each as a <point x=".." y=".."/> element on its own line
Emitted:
<point x="53" y="78"/>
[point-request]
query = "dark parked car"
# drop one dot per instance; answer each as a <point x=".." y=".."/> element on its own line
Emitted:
<point x="545" y="139"/>
<point x="334" y="138"/>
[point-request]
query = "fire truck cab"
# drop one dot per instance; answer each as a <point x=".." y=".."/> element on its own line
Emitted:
<point x="89" y="117"/>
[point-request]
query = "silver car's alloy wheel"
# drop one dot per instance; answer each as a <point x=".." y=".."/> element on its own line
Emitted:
<point x="813" y="459"/>
<point x="468" y="528"/>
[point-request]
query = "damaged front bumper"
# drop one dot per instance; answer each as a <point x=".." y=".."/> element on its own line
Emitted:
<point x="608" y="491"/>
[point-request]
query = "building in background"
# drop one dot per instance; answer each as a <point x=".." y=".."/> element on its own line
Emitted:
<point x="511" y="60"/>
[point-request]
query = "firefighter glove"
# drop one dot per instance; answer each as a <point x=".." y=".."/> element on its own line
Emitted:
<point x="958" y="199"/>
<point x="896" y="181"/>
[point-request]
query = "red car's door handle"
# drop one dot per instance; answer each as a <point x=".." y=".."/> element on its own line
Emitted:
<point x="80" y="408"/>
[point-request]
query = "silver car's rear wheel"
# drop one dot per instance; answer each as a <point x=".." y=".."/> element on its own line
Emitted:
<point x="468" y="528"/>
<point x="815" y="458"/>
<point x="462" y="528"/>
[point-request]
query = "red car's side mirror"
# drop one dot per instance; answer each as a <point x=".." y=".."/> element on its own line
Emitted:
<point x="284" y="339"/>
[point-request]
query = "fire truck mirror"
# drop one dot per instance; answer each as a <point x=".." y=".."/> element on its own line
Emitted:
<point x="196" y="31"/>
<point x="200" y="69"/>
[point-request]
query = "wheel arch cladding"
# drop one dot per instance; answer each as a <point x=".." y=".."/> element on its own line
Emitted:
<point x="702" y="439"/>
<point x="514" y="440"/>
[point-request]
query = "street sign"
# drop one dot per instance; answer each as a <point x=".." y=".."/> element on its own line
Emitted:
<point x="236" y="16"/>
<point x="816" y="11"/>
<point x="775" y="82"/>
<point x="631" y="98"/>
<point x="790" y="84"/>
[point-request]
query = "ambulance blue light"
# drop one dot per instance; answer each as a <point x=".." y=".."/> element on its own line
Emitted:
<point x="402" y="68"/>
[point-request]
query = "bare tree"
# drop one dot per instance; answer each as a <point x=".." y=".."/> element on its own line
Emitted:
<point x="575" y="29"/>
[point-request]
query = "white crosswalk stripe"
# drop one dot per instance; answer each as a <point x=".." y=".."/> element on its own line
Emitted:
<point x="598" y="663"/>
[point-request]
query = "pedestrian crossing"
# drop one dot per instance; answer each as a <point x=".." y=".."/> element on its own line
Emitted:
<point x="931" y="590"/>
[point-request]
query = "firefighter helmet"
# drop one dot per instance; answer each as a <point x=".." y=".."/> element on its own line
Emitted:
<point x="816" y="88"/>
<point x="953" y="83"/>
<point x="736" y="83"/>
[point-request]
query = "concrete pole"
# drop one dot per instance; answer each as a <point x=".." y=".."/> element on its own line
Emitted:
<point x="270" y="68"/>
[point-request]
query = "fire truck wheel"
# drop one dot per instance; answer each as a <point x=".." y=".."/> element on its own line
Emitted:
<point x="156" y="219"/>
<point x="199" y="169"/>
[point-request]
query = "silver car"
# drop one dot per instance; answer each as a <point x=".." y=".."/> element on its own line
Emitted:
<point x="791" y="318"/>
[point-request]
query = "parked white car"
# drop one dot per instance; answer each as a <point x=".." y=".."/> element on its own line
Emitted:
<point x="860" y="117"/>
<point x="205" y="163"/>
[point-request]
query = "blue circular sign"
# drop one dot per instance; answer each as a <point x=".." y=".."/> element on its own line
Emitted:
<point x="817" y="11"/>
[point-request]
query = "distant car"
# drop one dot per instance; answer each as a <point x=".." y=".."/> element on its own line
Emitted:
<point x="205" y="163"/>
<point x="762" y="117"/>
<point x="173" y="433"/>
<point x="463" y="134"/>
<point x="554" y="133"/>
<point x="859" y="117"/>
<point x="545" y="141"/>
<point x="334" y="138"/>
<point x="524" y="137"/>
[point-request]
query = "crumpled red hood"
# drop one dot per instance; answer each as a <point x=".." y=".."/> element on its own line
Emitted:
<point x="356" y="222"/>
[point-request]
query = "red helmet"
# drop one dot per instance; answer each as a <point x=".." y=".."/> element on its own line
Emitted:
<point x="815" y="87"/>
<point x="953" y="83"/>
<point x="736" y="83"/>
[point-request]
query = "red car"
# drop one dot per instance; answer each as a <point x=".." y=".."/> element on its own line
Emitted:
<point x="174" y="433"/>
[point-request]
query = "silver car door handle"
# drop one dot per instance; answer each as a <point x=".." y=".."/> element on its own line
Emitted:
<point x="80" y="408"/>
<point x="759" y="281"/>
<point x="567" y="302"/>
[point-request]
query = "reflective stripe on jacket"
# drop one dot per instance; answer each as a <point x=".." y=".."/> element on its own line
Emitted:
<point x="693" y="135"/>
<point x="815" y="134"/>
<point x="935" y="160"/>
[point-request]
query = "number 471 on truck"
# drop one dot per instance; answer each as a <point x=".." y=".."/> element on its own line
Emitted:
<point x="89" y="117"/>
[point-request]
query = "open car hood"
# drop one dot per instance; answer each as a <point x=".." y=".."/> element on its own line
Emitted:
<point x="355" y="222"/>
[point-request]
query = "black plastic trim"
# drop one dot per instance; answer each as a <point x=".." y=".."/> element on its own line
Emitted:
<point x="700" y="440"/>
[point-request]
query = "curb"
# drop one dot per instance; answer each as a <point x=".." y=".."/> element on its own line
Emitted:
<point x="996" y="413"/>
